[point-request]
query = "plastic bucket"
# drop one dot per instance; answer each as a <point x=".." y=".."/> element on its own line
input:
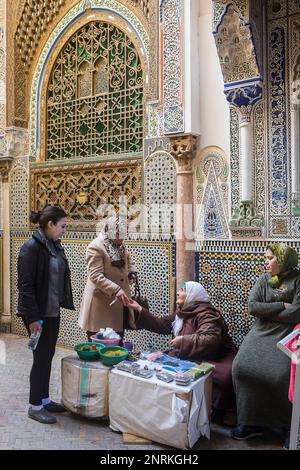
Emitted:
<point x="106" y="342"/>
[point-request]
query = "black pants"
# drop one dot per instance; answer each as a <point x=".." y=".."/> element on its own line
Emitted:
<point x="42" y="359"/>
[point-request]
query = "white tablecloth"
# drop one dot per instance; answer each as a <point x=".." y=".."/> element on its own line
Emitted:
<point x="162" y="412"/>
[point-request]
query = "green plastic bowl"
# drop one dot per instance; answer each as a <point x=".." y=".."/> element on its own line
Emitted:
<point x="112" y="360"/>
<point x="88" y="355"/>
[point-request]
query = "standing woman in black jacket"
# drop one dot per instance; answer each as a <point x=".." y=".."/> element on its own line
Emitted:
<point x="44" y="284"/>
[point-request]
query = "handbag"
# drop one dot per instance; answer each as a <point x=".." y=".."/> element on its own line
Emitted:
<point x="143" y="301"/>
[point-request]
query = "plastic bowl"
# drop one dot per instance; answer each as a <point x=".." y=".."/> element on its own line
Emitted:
<point x="112" y="360"/>
<point x="106" y="342"/>
<point x="88" y="355"/>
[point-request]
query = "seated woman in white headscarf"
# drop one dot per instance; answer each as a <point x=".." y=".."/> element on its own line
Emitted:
<point x="200" y="333"/>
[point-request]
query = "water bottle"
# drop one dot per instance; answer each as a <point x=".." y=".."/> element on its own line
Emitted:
<point x="34" y="338"/>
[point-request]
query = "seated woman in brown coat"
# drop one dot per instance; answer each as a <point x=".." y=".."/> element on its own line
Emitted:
<point x="200" y="333"/>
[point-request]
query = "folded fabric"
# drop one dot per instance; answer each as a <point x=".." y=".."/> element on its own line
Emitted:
<point x="174" y="364"/>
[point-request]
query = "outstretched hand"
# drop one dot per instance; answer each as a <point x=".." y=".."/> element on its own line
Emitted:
<point x="130" y="303"/>
<point x="122" y="296"/>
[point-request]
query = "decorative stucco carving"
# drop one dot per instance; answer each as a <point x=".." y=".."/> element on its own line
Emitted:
<point x="183" y="149"/>
<point x="236" y="48"/>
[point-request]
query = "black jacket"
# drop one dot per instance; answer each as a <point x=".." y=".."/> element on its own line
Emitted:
<point x="33" y="279"/>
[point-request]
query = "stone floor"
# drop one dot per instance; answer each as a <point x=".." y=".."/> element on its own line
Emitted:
<point x="17" y="431"/>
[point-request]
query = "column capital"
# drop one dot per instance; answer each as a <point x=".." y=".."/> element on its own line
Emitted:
<point x="183" y="149"/>
<point x="5" y="166"/>
<point x="245" y="113"/>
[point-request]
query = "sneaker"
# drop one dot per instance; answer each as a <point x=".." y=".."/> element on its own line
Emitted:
<point x="54" y="407"/>
<point x="242" y="433"/>
<point x="42" y="416"/>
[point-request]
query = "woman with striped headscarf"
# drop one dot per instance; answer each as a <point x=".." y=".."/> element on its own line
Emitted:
<point x="110" y="270"/>
<point x="260" y="370"/>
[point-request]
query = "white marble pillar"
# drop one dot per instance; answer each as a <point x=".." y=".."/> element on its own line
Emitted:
<point x="295" y="153"/>
<point x="246" y="162"/>
<point x="4" y="184"/>
<point x="191" y="14"/>
<point x="6" y="316"/>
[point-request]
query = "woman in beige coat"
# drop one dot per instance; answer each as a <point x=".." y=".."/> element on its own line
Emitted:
<point x="109" y="269"/>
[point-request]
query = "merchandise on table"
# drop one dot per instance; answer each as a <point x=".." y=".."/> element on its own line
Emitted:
<point x="183" y="379"/>
<point x="88" y="351"/>
<point x="144" y="373"/>
<point x="165" y="377"/>
<point x="127" y="366"/>
<point x="113" y="355"/>
<point x="106" y="336"/>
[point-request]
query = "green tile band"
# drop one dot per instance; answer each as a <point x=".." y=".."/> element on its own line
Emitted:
<point x="84" y="388"/>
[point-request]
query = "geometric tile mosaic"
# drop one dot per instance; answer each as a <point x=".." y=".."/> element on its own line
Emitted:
<point x="19" y="188"/>
<point x="1" y="275"/>
<point x="228" y="271"/>
<point x="228" y="278"/>
<point x="160" y="191"/>
<point x="283" y="50"/>
<point x="172" y="38"/>
<point x="154" y="261"/>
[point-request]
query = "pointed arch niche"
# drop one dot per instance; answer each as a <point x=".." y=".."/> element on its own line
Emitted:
<point x="90" y="83"/>
<point x="211" y="174"/>
<point x="93" y="95"/>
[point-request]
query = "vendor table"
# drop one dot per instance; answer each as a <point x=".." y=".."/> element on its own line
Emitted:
<point x="162" y="412"/>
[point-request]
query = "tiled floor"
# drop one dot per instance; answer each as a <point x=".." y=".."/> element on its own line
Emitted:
<point x="17" y="431"/>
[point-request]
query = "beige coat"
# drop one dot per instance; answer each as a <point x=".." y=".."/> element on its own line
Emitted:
<point x="104" y="280"/>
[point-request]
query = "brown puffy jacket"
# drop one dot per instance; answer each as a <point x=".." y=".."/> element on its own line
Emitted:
<point x="204" y="331"/>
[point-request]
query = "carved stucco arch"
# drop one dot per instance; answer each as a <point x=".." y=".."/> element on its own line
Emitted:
<point x="217" y="154"/>
<point x="235" y="46"/>
<point x="28" y="33"/>
<point x="74" y="20"/>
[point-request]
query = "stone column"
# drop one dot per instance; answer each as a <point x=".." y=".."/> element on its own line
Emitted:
<point x="183" y="149"/>
<point x="246" y="219"/>
<point x="246" y="133"/>
<point x="295" y="163"/>
<point x="5" y="163"/>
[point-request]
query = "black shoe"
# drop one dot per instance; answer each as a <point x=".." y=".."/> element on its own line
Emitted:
<point x="242" y="433"/>
<point x="42" y="416"/>
<point x="54" y="407"/>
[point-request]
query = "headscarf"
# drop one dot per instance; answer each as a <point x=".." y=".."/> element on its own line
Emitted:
<point x="111" y="227"/>
<point x="195" y="292"/>
<point x="287" y="259"/>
